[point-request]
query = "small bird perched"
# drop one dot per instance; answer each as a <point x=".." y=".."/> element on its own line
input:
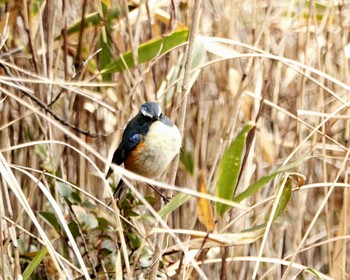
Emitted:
<point x="149" y="143"/>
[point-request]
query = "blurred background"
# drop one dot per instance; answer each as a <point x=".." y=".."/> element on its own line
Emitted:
<point x="74" y="72"/>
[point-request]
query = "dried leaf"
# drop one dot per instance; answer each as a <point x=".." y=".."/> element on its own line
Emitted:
<point x="204" y="210"/>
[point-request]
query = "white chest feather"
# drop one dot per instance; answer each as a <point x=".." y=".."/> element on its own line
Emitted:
<point x="160" y="146"/>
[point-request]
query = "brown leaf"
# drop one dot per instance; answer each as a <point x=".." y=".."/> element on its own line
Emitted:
<point x="204" y="210"/>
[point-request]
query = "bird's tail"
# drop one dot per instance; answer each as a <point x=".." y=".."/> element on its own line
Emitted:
<point x="119" y="190"/>
<point x="110" y="171"/>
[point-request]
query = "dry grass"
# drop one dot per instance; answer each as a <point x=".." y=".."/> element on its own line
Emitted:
<point x="282" y="65"/>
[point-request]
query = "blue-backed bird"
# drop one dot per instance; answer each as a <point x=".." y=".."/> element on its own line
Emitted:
<point x="149" y="143"/>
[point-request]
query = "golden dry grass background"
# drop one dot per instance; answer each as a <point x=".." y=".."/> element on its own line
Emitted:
<point x="305" y="117"/>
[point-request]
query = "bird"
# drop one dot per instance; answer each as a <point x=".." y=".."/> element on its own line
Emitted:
<point x="149" y="143"/>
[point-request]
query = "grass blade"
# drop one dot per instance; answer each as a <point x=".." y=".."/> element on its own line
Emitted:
<point x="34" y="263"/>
<point x="149" y="50"/>
<point x="175" y="203"/>
<point x="254" y="188"/>
<point x="229" y="169"/>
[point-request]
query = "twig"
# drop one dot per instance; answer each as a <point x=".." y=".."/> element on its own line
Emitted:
<point x="65" y="39"/>
<point x="45" y="107"/>
<point x="81" y="32"/>
<point x="251" y="133"/>
<point x="75" y="77"/>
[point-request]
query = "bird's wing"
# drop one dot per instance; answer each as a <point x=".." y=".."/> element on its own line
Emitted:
<point x="128" y="144"/>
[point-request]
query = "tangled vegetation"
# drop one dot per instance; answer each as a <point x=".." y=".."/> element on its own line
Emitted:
<point x="259" y="92"/>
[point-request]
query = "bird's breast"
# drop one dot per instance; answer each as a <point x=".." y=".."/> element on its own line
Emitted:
<point x="156" y="150"/>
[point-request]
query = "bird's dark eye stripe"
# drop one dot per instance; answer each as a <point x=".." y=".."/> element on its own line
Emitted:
<point x="147" y="116"/>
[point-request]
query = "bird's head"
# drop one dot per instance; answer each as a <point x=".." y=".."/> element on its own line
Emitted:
<point x="151" y="111"/>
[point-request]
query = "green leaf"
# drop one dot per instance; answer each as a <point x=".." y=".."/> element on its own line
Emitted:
<point x="68" y="193"/>
<point x="73" y="228"/>
<point x="41" y="151"/>
<point x="150" y="199"/>
<point x="134" y="239"/>
<point x="110" y="13"/>
<point x="89" y="221"/>
<point x="105" y="57"/>
<point x="88" y="204"/>
<point x="47" y="162"/>
<point x="106" y="42"/>
<point x="107" y="247"/>
<point x="254" y="188"/>
<point x="186" y="158"/>
<point x="149" y="50"/>
<point x="75" y="198"/>
<point x="285" y="198"/>
<point x="52" y="220"/>
<point x="36" y="6"/>
<point x="86" y="220"/>
<point x="127" y="206"/>
<point x="312" y="271"/>
<point x="34" y="263"/>
<point x="260" y="227"/>
<point x="102" y="223"/>
<point x="229" y="169"/>
<point x="63" y="189"/>
<point x="93" y="19"/>
<point x="318" y="8"/>
<point x="247" y="236"/>
<point x="174" y="203"/>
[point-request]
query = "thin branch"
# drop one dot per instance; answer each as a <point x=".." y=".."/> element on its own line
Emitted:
<point x="182" y="114"/>
<point x="81" y="32"/>
<point x="46" y="108"/>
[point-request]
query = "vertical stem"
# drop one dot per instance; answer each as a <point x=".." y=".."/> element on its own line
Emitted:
<point x="182" y="114"/>
<point x="81" y="32"/>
